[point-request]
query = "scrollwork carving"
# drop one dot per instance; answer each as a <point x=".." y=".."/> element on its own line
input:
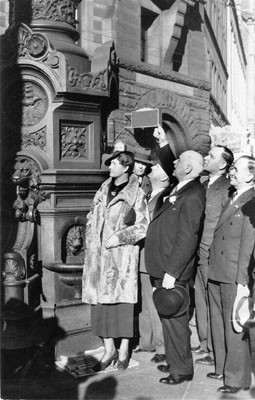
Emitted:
<point x="87" y="80"/>
<point x="37" y="138"/>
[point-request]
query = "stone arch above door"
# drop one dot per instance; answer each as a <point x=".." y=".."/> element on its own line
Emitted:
<point x="178" y="120"/>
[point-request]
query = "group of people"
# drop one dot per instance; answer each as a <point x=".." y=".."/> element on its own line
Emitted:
<point x="155" y="225"/>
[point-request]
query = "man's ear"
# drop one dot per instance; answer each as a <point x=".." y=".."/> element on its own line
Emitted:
<point x="249" y="178"/>
<point x="126" y="168"/>
<point x="223" y="165"/>
<point x="188" y="169"/>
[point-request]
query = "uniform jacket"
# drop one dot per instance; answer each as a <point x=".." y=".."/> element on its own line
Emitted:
<point x="232" y="246"/>
<point x="174" y="232"/>
<point x="110" y="275"/>
<point x="216" y="197"/>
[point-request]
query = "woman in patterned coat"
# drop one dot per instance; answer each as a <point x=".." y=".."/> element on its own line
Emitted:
<point x="117" y="221"/>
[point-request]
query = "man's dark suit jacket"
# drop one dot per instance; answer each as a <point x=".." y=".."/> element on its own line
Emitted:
<point x="217" y="195"/>
<point x="173" y="234"/>
<point x="167" y="157"/>
<point x="232" y="246"/>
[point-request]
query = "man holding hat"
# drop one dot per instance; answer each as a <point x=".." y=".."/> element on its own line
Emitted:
<point x="170" y="249"/>
<point x="229" y="269"/>
<point x="150" y="327"/>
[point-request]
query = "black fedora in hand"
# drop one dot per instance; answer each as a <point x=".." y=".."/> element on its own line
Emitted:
<point x="171" y="302"/>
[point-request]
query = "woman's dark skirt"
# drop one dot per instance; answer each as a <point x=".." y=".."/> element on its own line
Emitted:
<point x="113" y="320"/>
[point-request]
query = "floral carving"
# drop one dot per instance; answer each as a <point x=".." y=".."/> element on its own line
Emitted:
<point x="56" y="10"/>
<point x="73" y="141"/>
<point x="37" y="138"/>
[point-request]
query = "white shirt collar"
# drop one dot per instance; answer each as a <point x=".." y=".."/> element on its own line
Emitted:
<point x="183" y="183"/>
<point x="241" y="191"/>
<point x="212" y="179"/>
<point x="155" y="192"/>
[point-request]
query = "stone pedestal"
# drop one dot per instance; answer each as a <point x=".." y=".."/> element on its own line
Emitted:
<point x="54" y="132"/>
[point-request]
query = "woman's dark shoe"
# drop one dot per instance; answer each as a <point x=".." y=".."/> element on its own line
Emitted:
<point x="101" y="365"/>
<point x="122" y="365"/>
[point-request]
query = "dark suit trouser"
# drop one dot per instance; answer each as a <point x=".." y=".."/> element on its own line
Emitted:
<point x="231" y="349"/>
<point x="177" y="334"/>
<point x="202" y="310"/>
<point x="150" y="327"/>
<point x="177" y="344"/>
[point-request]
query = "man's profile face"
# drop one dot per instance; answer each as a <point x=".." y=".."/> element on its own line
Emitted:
<point x="213" y="161"/>
<point x="180" y="165"/>
<point x="241" y="173"/>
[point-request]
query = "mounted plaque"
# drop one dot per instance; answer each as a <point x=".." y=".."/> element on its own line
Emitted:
<point x="146" y="118"/>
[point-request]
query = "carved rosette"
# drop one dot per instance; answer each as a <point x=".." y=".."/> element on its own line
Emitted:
<point x="74" y="140"/>
<point x="14" y="267"/>
<point x="21" y="42"/>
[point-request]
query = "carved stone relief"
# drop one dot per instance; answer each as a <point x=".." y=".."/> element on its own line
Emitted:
<point x="14" y="267"/>
<point x="75" y="244"/>
<point x="51" y="10"/>
<point x="26" y="103"/>
<point x="87" y="80"/>
<point x="37" y="139"/>
<point x="27" y="179"/>
<point x="73" y="141"/>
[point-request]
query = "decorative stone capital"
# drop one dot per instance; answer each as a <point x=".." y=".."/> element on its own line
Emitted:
<point x="14" y="267"/>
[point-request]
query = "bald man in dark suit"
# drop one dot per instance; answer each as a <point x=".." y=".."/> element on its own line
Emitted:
<point x="170" y="250"/>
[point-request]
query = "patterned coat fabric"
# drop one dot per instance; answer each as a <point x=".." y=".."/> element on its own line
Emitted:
<point x="110" y="275"/>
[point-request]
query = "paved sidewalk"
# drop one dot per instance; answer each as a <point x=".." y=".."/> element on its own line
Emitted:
<point x="137" y="383"/>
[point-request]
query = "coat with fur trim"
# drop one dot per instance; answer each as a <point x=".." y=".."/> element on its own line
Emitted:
<point x="110" y="275"/>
